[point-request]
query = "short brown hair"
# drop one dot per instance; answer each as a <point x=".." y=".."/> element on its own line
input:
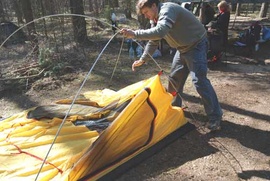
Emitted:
<point x="145" y="3"/>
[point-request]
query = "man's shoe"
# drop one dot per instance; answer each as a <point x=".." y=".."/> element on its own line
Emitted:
<point x="214" y="126"/>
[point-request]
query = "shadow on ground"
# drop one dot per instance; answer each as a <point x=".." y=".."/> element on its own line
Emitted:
<point x="183" y="150"/>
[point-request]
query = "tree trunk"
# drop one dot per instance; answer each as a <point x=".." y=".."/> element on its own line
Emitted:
<point x="2" y="12"/>
<point x="79" y="23"/>
<point x="28" y="16"/>
<point x="107" y="2"/>
<point x="264" y="10"/>
<point x="253" y="7"/>
<point x="18" y="11"/>
<point x="128" y="9"/>
<point x="91" y="4"/>
<point x="128" y="13"/>
<point x="238" y="9"/>
<point x="94" y="7"/>
<point x="198" y="9"/>
<point x="115" y="3"/>
<point x="50" y="7"/>
<point x="143" y="22"/>
<point x="44" y="14"/>
<point x="234" y="4"/>
<point x="127" y="6"/>
<point x="97" y="7"/>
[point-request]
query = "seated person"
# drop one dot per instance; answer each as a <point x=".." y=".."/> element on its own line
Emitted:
<point x="218" y="32"/>
<point x="223" y="19"/>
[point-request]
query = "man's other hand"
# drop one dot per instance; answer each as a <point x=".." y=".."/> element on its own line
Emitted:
<point x="137" y="63"/>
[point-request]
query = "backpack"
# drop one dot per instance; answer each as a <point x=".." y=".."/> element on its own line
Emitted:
<point x="250" y="36"/>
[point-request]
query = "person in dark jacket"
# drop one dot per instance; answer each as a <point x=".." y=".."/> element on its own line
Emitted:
<point x="223" y="19"/>
<point x="209" y="13"/>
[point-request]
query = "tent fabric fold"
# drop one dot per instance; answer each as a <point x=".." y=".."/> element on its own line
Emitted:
<point x="137" y="117"/>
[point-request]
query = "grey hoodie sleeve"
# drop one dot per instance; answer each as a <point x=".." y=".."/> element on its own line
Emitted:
<point x="153" y="35"/>
<point x="156" y="33"/>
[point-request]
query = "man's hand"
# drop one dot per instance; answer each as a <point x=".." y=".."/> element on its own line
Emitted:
<point x="137" y="63"/>
<point x="128" y="33"/>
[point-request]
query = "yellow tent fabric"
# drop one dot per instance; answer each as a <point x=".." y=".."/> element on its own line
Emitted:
<point x="80" y="151"/>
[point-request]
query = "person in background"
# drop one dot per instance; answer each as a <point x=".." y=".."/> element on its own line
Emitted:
<point x="183" y="31"/>
<point x="209" y="13"/>
<point x="132" y="46"/>
<point x="223" y="20"/>
<point x="114" y="24"/>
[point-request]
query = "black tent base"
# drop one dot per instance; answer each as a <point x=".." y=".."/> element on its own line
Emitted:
<point x="148" y="153"/>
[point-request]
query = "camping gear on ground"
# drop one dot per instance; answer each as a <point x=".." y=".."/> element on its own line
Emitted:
<point x="248" y="40"/>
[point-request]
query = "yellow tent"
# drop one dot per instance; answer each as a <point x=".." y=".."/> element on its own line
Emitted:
<point x="133" y="119"/>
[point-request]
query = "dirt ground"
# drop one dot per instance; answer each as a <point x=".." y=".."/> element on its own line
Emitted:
<point x="239" y="151"/>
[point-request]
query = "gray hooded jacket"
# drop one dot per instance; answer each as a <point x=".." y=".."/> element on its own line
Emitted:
<point x="178" y="26"/>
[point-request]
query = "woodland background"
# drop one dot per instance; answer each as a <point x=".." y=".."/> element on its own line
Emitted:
<point x="50" y="33"/>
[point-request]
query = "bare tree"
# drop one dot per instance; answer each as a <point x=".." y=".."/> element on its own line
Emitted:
<point x="79" y="23"/>
<point x="143" y="22"/>
<point x="2" y="12"/>
<point x="115" y="3"/>
<point x="97" y="8"/>
<point x="28" y="15"/>
<point x="238" y="9"/>
<point x="18" y="11"/>
<point x="91" y="6"/>
<point x="94" y="7"/>
<point x="43" y="9"/>
<point x="50" y="7"/>
<point x="128" y="8"/>
<point x="233" y="6"/>
<point x="264" y="9"/>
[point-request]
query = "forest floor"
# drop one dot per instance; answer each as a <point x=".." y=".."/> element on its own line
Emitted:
<point x="239" y="151"/>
